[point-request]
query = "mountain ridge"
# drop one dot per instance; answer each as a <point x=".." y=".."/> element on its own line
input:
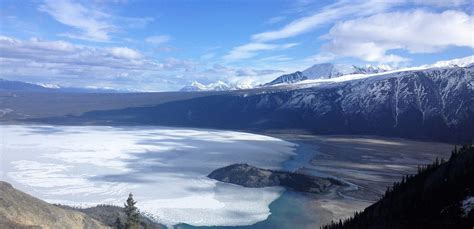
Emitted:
<point x="435" y="104"/>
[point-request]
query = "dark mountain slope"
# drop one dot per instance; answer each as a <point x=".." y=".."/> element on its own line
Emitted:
<point x="431" y="199"/>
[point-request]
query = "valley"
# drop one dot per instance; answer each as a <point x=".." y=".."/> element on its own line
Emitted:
<point x="306" y="114"/>
<point x="352" y="136"/>
<point x="168" y="158"/>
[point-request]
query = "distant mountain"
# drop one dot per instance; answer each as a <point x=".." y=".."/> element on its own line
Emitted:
<point x="288" y="79"/>
<point x="441" y="195"/>
<point x="326" y="71"/>
<point x="217" y="86"/>
<point x="22" y="86"/>
<point x="194" y="86"/>
<point x="10" y="85"/>
<point x="435" y="103"/>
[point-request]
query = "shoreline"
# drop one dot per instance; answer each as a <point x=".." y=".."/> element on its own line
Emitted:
<point x="329" y="157"/>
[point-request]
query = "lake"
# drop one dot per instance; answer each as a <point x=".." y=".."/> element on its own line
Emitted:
<point x="166" y="168"/>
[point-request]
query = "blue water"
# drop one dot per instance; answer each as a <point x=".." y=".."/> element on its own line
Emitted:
<point x="289" y="211"/>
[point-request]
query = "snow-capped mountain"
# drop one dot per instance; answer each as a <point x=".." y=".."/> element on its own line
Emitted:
<point x="217" y="86"/>
<point x="370" y="69"/>
<point x="194" y="86"/>
<point x="326" y="71"/>
<point x="461" y="62"/>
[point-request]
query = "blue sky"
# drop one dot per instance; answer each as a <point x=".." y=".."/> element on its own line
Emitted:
<point x="164" y="45"/>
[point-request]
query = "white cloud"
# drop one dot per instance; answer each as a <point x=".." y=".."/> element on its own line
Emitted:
<point x="442" y="3"/>
<point x="63" y="63"/>
<point x="277" y="58"/>
<point x="89" y="22"/>
<point x="159" y="39"/>
<point x="321" y="58"/>
<point x="274" y="20"/>
<point x="126" y="53"/>
<point x="419" y="31"/>
<point x="92" y="24"/>
<point x="251" y="49"/>
<point x="173" y="63"/>
<point x="328" y="14"/>
<point x="222" y="70"/>
<point x="67" y="64"/>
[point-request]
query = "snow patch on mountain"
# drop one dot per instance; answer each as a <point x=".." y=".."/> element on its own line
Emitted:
<point x="327" y="71"/>
<point x="217" y="86"/>
<point x="467" y="205"/>
<point x="48" y="85"/>
<point x="461" y="62"/>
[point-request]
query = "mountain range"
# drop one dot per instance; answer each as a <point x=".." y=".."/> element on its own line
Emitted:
<point x="427" y="103"/>
<point x="324" y="71"/>
<point x="12" y="85"/>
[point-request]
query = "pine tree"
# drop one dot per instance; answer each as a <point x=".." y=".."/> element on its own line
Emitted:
<point x="132" y="214"/>
<point x="118" y="224"/>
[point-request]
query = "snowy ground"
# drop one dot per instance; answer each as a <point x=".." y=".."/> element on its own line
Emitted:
<point x="165" y="168"/>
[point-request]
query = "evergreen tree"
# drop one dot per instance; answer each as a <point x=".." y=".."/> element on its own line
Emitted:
<point x="132" y="214"/>
<point x="118" y="224"/>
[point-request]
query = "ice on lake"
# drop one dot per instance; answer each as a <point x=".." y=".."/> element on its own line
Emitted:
<point x="165" y="168"/>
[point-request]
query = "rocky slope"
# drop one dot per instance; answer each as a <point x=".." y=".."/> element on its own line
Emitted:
<point x="250" y="176"/>
<point x="20" y="210"/>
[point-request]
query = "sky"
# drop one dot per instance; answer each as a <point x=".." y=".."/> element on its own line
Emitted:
<point x="164" y="45"/>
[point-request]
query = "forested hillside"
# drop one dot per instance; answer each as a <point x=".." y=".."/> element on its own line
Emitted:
<point x="440" y="195"/>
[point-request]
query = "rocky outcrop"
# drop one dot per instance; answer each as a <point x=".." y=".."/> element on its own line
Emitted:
<point x="288" y="79"/>
<point x="250" y="176"/>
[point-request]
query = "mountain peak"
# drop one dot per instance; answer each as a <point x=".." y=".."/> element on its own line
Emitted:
<point x="216" y="86"/>
<point x="461" y="62"/>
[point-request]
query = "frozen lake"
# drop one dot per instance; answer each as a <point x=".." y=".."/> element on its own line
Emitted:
<point x="165" y="168"/>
